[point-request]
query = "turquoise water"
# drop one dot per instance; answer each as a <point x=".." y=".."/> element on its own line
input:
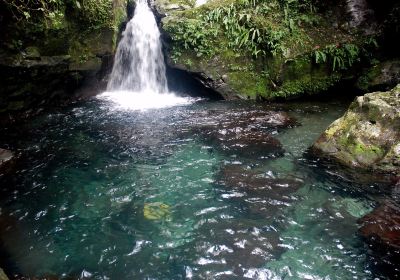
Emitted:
<point x="174" y="194"/>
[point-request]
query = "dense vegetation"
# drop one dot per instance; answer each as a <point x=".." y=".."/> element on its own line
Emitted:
<point x="51" y="13"/>
<point x="269" y="42"/>
<point x="38" y="22"/>
<point x="243" y="23"/>
<point x="259" y="28"/>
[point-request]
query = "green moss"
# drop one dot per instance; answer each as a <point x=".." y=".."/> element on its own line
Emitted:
<point x="367" y="154"/>
<point x="357" y="151"/>
<point x="247" y="84"/>
<point x="364" y="82"/>
<point x="308" y="84"/>
<point x="119" y="17"/>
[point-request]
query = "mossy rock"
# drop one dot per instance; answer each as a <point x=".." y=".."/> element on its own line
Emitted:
<point x="382" y="76"/>
<point x="156" y="211"/>
<point x="368" y="135"/>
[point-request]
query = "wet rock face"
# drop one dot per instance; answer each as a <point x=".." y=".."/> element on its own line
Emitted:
<point x="382" y="76"/>
<point x="57" y="66"/>
<point x="28" y="84"/>
<point x="367" y="136"/>
<point x="237" y="74"/>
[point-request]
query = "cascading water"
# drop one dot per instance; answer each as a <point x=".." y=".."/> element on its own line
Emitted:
<point x="139" y="62"/>
<point x="138" y="79"/>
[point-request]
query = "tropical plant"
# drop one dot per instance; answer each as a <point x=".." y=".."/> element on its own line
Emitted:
<point x="341" y="57"/>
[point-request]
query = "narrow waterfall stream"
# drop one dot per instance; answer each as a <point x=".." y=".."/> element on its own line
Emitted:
<point x="139" y="61"/>
<point x="138" y="79"/>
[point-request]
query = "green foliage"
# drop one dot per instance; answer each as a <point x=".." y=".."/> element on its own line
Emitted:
<point x="94" y="13"/>
<point x="242" y="23"/>
<point x="36" y="11"/>
<point x="191" y="34"/>
<point x="341" y="57"/>
<point x="50" y="14"/>
<point x="257" y="27"/>
<point x="242" y="30"/>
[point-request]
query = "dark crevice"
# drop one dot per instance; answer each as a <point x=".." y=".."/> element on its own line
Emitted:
<point x="185" y="83"/>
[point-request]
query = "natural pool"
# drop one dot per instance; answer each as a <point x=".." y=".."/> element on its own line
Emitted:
<point x="199" y="191"/>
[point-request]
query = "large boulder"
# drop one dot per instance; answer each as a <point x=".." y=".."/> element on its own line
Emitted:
<point x="367" y="136"/>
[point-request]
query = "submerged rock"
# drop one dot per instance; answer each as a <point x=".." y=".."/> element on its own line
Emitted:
<point x="367" y="136"/>
<point x="256" y="182"/>
<point x="247" y="143"/>
<point x="156" y="211"/>
<point x="244" y="134"/>
<point x="264" y="195"/>
<point x="381" y="227"/>
<point x="381" y="231"/>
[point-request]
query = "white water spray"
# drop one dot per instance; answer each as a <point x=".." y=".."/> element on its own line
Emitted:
<point x="138" y="79"/>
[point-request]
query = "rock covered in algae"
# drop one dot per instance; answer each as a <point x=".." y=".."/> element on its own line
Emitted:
<point x="368" y="135"/>
<point x="156" y="211"/>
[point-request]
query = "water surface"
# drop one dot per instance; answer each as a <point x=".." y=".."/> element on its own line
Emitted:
<point x="106" y="193"/>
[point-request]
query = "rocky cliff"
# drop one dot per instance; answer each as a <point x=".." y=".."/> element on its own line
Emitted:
<point x="49" y="50"/>
<point x="272" y="49"/>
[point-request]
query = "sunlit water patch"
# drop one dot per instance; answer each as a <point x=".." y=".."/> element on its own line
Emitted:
<point x="208" y="190"/>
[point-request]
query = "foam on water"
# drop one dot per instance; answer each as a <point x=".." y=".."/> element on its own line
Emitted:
<point x="129" y="100"/>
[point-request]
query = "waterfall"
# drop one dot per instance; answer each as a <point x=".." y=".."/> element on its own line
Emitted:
<point x="139" y="61"/>
<point x="138" y="78"/>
